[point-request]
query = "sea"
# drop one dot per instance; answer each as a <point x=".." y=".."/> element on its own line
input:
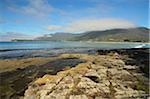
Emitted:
<point x="10" y="50"/>
<point x="69" y="44"/>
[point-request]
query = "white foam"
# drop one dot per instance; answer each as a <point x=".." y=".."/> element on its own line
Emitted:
<point x="140" y="46"/>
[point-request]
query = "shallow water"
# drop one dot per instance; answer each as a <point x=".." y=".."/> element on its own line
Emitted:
<point x="12" y="50"/>
<point x="13" y="54"/>
<point x="68" y="44"/>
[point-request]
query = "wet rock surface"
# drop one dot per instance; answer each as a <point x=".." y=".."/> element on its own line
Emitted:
<point x="14" y="83"/>
<point x="101" y="77"/>
<point x="135" y="56"/>
<point x="30" y="53"/>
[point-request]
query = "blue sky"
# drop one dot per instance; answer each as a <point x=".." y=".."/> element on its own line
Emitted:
<point x="39" y="17"/>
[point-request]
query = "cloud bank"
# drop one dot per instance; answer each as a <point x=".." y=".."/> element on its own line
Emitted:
<point x="54" y="27"/>
<point x="8" y="36"/>
<point x="93" y="25"/>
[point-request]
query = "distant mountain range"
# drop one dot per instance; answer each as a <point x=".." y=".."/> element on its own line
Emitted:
<point x="129" y="35"/>
<point x="140" y="34"/>
<point x="59" y="37"/>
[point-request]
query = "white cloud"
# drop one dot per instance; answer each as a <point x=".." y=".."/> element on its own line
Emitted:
<point x="38" y="8"/>
<point x="54" y="27"/>
<point x="103" y="24"/>
<point x="93" y="24"/>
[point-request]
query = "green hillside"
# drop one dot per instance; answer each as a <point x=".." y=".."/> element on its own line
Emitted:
<point x="140" y="34"/>
<point x="129" y="35"/>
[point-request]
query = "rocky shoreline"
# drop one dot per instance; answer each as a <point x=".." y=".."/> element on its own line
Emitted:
<point x="117" y="74"/>
<point x="15" y="81"/>
<point x="32" y="53"/>
<point x="103" y="76"/>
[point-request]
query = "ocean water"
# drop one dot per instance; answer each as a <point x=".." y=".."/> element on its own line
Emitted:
<point x="69" y="44"/>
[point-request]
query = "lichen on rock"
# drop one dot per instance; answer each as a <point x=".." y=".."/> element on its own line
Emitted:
<point x="101" y="77"/>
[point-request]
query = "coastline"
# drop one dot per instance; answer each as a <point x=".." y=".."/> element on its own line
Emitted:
<point x="117" y="42"/>
<point x="48" y="52"/>
<point x="83" y="41"/>
<point x="109" y="74"/>
<point x="26" y="68"/>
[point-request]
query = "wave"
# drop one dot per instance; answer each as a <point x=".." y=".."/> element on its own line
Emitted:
<point x="140" y="46"/>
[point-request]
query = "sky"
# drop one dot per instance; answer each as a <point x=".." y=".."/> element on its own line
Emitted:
<point x="33" y="18"/>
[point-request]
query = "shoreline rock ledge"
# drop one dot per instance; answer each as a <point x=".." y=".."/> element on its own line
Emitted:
<point x="101" y="77"/>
